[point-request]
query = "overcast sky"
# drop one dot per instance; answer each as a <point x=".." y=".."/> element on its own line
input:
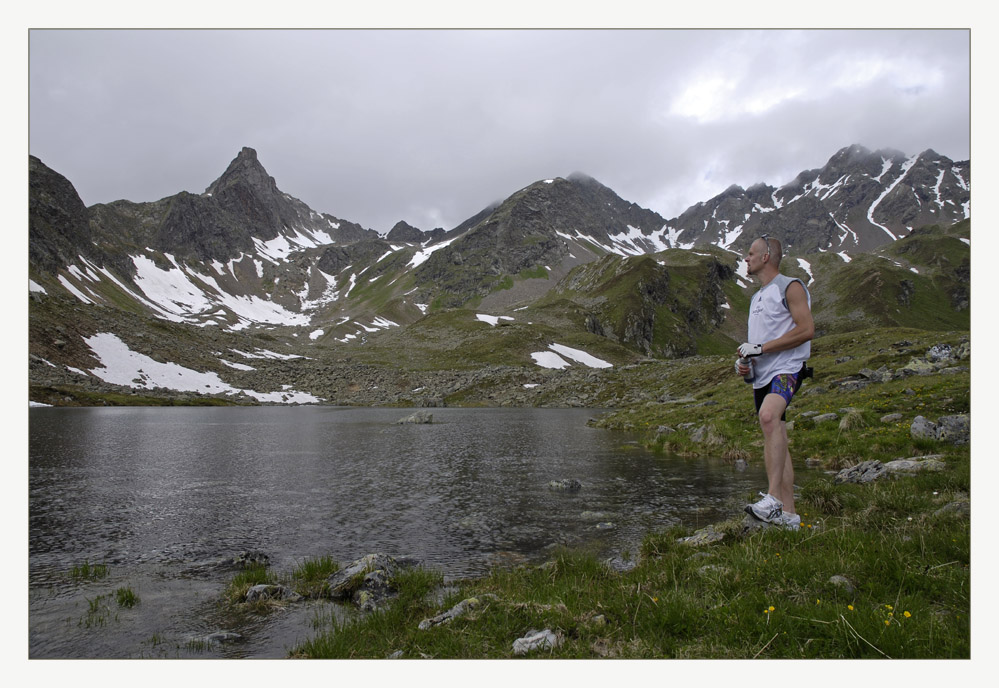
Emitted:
<point x="431" y="126"/>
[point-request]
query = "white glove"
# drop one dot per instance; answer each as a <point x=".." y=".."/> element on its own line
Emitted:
<point x="747" y="350"/>
<point x="738" y="362"/>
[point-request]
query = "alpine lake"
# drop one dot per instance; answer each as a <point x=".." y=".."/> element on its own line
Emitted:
<point x="158" y="498"/>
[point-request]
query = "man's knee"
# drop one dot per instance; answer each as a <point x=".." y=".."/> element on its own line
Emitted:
<point x="771" y="411"/>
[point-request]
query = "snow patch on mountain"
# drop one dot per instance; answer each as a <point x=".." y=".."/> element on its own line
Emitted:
<point x="74" y="291"/>
<point x="181" y="294"/>
<point x="580" y="356"/>
<point x="807" y="267"/>
<point x="122" y="366"/>
<point x="906" y="166"/>
<point x="491" y="319"/>
<point x="376" y="325"/>
<point x="280" y="247"/>
<point x="729" y="236"/>
<point x="552" y="359"/>
<point x="421" y="256"/>
<point x="236" y="366"/>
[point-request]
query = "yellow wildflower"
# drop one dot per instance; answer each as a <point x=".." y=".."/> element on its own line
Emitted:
<point x="906" y="614"/>
<point x="850" y="607"/>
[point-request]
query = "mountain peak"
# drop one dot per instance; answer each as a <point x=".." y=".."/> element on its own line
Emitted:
<point x="403" y="231"/>
<point x="583" y="178"/>
<point x="245" y="167"/>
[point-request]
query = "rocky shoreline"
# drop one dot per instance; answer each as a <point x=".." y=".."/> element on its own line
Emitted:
<point x="369" y="585"/>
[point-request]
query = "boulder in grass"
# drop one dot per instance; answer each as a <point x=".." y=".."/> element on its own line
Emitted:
<point x="865" y="472"/>
<point x="704" y="536"/>
<point x="460" y="609"/>
<point x="367" y="581"/>
<point x="951" y="429"/>
<point x="537" y="640"/>
<point x="954" y="429"/>
<point x="916" y="464"/>
<point x="843" y="583"/>
<point x="923" y="429"/>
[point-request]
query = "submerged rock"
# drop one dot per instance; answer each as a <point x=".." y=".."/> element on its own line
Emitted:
<point x="266" y="591"/>
<point x="222" y="637"/>
<point x="565" y="485"/>
<point x="250" y="559"/>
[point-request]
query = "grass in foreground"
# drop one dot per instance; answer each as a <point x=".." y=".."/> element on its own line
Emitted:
<point x="769" y="594"/>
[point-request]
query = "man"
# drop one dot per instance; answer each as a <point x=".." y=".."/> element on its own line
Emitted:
<point x="780" y="334"/>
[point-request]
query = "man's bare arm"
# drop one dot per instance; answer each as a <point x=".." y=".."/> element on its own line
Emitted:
<point x="804" y="326"/>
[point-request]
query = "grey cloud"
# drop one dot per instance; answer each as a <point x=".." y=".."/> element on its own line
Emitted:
<point x="432" y="126"/>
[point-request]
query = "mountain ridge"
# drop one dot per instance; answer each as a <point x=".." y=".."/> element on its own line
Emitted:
<point x="562" y="259"/>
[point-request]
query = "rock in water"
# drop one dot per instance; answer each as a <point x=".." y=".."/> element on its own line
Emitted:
<point x="418" y="418"/>
<point x="265" y="591"/>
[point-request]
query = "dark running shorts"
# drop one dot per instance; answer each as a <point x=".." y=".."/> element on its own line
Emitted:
<point x="784" y="385"/>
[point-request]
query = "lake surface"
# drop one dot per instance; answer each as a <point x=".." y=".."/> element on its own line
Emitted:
<point x="160" y="494"/>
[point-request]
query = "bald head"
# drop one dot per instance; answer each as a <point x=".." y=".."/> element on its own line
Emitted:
<point x="769" y="245"/>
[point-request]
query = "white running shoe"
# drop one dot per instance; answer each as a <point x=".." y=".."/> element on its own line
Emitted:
<point x="769" y="509"/>
<point x="789" y="521"/>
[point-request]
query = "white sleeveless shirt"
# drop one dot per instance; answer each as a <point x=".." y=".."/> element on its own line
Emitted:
<point x="769" y="318"/>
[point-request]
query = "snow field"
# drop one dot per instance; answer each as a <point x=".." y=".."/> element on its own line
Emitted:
<point x="122" y="366"/>
<point x="553" y="359"/>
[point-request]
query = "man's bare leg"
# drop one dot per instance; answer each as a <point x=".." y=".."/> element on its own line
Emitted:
<point x="787" y="480"/>
<point x="776" y="457"/>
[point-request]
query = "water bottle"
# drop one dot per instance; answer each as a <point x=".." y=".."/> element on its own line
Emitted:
<point x="750" y="376"/>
